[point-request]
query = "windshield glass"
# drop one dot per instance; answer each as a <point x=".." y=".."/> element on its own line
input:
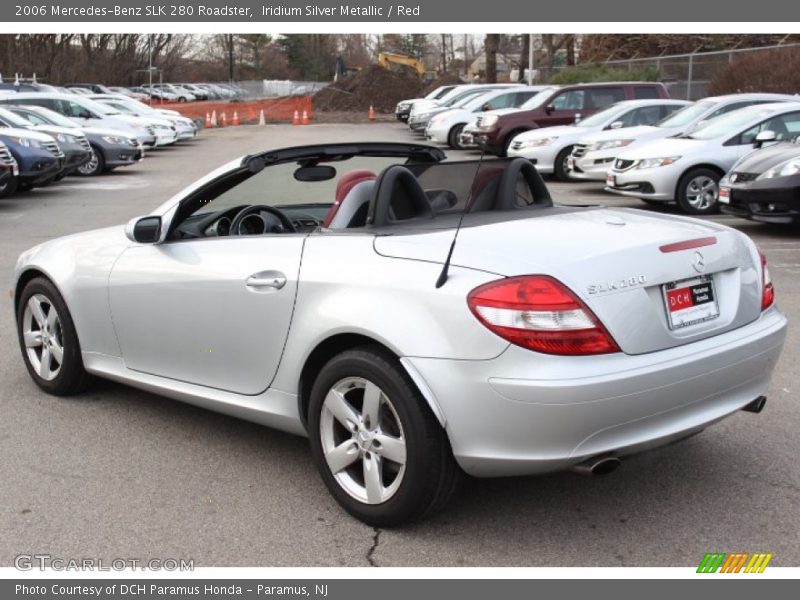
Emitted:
<point x="97" y="107"/>
<point x="47" y="116"/>
<point x="685" y="116"/>
<point x="462" y="96"/>
<point x="727" y="124"/>
<point x="599" y="119"/>
<point x="120" y="107"/>
<point x="14" y="119"/>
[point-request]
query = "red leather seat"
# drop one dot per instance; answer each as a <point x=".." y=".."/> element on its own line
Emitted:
<point x="346" y="183"/>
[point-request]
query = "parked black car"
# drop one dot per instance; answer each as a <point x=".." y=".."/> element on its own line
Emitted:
<point x="765" y="185"/>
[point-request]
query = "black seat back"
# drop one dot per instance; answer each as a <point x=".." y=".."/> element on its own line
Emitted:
<point x="398" y="197"/>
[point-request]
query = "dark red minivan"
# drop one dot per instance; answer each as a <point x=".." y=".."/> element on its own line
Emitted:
<point x="558" y="106"/>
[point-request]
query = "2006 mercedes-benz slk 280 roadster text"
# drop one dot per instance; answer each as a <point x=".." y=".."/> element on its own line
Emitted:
<point x="321" y="290"/>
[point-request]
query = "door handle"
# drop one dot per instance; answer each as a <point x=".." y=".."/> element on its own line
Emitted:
<point x="266" y="279"/>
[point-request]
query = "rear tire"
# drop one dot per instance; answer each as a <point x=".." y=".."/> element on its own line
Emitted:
<point x="380" y="451"/>
<point x="698" y="191"/>
<point x="560" y="165"/>
<point x="48" y="340"/>
<point x="452" y="137"/>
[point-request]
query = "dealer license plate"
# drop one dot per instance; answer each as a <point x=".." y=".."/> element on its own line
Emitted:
<point x="610" y="181"/>
<point x="690" y="301"/>
<point x="725" y="195"/>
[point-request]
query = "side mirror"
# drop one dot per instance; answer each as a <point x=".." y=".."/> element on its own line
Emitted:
<point x="485" y="107"/>
<point x="764" y="137"/>
<point x="144" y="230"/>
<point x="549" y="108"/>
<point x="616" y="125"/>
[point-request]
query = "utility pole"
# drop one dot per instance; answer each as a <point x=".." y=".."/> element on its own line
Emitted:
<point x="530" y="59"/>
<point x="230" y="58"/>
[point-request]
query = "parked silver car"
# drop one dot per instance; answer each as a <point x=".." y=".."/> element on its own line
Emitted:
<point x="310" y="289"/>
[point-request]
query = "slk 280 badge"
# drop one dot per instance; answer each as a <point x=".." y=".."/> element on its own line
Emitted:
<point x="617" y="284"/>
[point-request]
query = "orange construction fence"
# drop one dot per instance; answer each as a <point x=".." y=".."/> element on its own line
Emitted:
<point x="275" y="109"/>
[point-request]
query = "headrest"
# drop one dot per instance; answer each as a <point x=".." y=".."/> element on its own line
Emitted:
<point x="398" y="197"/>
<point x="521" y="170"/>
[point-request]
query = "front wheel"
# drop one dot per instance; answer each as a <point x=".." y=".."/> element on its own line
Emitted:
<point x="453" y="137"/>
<point x="48" y="340"/>
<point x="8" y="187"/>
<point x="95" y="165"/>
<point x="560" y="168"/>
<point x="380" y="451"/>
<point x="698" y="192"/>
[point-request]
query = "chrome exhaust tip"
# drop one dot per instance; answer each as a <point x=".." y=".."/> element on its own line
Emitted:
<point x="599" y="465"/>
<point x="756" y="406"/>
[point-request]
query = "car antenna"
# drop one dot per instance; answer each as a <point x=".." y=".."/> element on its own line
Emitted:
<point x="446" y="267"/>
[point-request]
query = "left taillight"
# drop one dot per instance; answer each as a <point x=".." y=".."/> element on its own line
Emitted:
<point x="767" y="289"/>
<point x="540" y="313"/>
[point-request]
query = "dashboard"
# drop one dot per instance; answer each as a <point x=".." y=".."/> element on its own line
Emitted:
<point x="304" y="218"/>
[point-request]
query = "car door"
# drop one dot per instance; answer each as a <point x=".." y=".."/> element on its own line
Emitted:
<point x="213" y="311"/>
<point x="563" y="108"/>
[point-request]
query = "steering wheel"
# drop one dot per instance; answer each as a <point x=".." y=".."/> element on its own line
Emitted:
<point x="257" y="208"/>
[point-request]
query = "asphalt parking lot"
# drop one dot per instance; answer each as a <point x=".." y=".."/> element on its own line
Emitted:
<point x="119" y="473"/>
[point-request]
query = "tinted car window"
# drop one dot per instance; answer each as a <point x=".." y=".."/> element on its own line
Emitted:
<point x="785" y="126"/>
<point x="504" y="101"/>
<point x="571" y="100"/>
<point x="641" y="92"/>
<point x="645" y="115"/>
<point x="602" y="97"/>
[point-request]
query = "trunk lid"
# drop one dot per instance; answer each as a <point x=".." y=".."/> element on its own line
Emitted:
<point x="612" y="259"/>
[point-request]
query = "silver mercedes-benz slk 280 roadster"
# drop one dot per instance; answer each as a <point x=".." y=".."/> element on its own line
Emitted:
<point x="416" y="318"/>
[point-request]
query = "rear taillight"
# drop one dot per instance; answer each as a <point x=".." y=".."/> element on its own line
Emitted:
<point x="540" y="313"/>
<point x="767" y="289"/>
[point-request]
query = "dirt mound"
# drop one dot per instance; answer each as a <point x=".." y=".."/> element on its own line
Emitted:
<point x="446" y="79"/>
<point x="372" y="86"/>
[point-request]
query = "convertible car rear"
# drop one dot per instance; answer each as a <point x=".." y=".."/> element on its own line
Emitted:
<point x="416" y="318"/>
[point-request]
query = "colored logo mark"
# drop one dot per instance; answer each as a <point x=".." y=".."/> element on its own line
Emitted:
<point x="734" y="562"/>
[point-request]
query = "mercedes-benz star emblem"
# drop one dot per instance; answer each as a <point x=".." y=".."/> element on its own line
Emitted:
<point x="699" y="263"/>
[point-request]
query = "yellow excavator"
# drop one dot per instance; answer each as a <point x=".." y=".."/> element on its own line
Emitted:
<point x="387" y="59"/>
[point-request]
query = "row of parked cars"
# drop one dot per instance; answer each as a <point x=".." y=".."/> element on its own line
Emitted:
<point x="165" y="92"/>
<point x="45" y="136"/>
<point x="738" y="152"/>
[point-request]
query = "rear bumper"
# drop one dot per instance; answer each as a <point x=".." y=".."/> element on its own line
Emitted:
<point x="526" y="413"/>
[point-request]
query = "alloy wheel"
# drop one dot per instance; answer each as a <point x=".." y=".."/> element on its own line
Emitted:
<point x="362" y="440"/>
<point x="90" y="166"/>
<point x="702" y="192"/>
<point x="43" y="336"/>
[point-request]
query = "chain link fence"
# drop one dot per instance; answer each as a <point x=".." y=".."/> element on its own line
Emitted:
<point x="685" y="75"/>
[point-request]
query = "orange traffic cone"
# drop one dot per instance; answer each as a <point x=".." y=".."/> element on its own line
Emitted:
<point x="296" y="118"/>
<point x="223" y="120"/>
<point x="305" y="118"/>
<point x="261" y="119"/>
<point x="235" y="121"/>
<point x="208" y="119"/>
<point x="371" y="113"/>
